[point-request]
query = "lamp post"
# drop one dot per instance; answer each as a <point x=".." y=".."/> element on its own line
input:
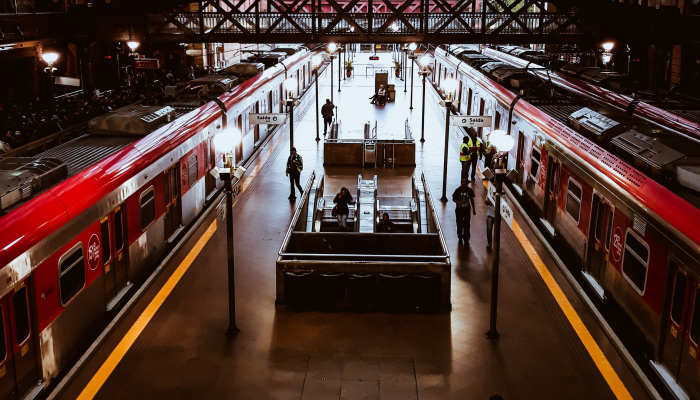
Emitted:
<point x="316" y="64"/>
<point x="412" y="47"/>
<point x="340" y="69"/>
<point x="332" y="47"/>
<point x="290" y="87"/>
<point x="50" y="57"/>
<point x="226" y="140"/>
<point x="449" y="85"/>
<point x="503" y="144"/>
<point x="424" y="72"/>
<point x="403" y="65"/>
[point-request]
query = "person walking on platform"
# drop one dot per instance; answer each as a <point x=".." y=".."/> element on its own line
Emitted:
<point x="327" y="112"/>
<point x="489" y="152"/>
<point x="464" y="197"/>
<point x="294" y="166"/>
<point x="341" y="210"/>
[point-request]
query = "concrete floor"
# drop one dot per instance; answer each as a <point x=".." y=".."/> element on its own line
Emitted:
<point x="184" y="353"/>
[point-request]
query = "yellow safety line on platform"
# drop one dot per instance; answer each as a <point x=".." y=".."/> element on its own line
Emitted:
<point x="601" y="361"/>
<point x="133" y="333"/>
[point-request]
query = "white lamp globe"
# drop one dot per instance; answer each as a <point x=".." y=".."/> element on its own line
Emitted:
<point x="449" y="85"/>
<point x="413" y="46"/>
<point x="332" y="47"/>
<point x="502" y="141"/>
<point x="316" y="60"/>
<point x="49" y="57"/>
<point x="133" y="45"/>
<point x="290" y="86"/>
<point x="226" y="140"/>
<point x="424" y="61"/>
<point x="607" y="46"/>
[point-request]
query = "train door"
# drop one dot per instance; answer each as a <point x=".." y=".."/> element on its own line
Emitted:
<point x="116" y="268"/>
<point x="19" y="371"/>
<point x="601" y="214"/>
<point x="281" y="99"/>
<point x="482" y="106"/>
<point x="469" y="101"/>
<point x="681" y="339"/>
<point x="239" y="145"/>
<point x="256" y="129"/>
<point x="551" y="191"/>
<point x="173" y="206"/>
<point x="519" y="162"/>
<point x="459" y="97"/>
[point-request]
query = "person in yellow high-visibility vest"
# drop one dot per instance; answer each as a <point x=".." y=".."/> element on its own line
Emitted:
<point x="469" y="152"/>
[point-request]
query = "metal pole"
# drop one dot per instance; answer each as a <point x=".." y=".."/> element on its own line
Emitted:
<point x="339" y="71"/>
<point x="448" y="104"/>
<point x="316" y="88"/>
<point x="345" y="58"/>
<point x="331" y="78"/>
<point x="232" y="328"/>
<point x="403" y="67"/>
<point x="413" y="61"/>
<point x="290" y="104"/>
<point x="493" y="333"/>
<point x="422" y="122"/>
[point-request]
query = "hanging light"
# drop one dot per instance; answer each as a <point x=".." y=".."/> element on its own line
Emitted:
<point x="133" y="45"/>
<point x="49" y="57"/>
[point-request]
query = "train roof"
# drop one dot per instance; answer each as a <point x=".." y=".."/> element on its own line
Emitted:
<point x="52" y="210"/>
<point x="652" y="197"/>
<point x="685" y="123"/>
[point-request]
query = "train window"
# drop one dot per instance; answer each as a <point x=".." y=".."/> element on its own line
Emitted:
<point x="147" y="205"/>
<point x="3" y="346"/>
<point x="118" y="230"/>
<point x="573" y="199"/>
<point x="104" y="230"/>
<point x="192" y="172"/>
<point x="635" y="261"/>
<point x="678" y="298"/>
<point x="71" y="273"/>
<point x="535" y="159"/>
<point x="497" y="124"/>
<point x="21" y="315"/>
<point x="694" y="331"/>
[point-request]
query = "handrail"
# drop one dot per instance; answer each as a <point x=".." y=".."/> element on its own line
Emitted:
<point x="429" y="199"/>
<point x="297" y="212"/>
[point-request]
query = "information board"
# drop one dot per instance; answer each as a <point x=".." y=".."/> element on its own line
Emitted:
<point x="267" y="118"/>
<point x="472" y="121"/>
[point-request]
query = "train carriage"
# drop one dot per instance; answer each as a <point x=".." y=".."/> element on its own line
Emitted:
<point x="71" y="250"/>
<point x="633" y="234"/>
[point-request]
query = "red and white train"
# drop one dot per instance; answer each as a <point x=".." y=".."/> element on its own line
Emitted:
<point x="86" y="221"/>
<point x="621" y="194"/>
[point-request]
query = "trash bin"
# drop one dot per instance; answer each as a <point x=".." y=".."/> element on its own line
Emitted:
<point x="298" y="286"/>
<point x="426" y="292"/>
<point x="394" y="292"/>
<point x="362" y="290"/>
<point x="330" y="291"/>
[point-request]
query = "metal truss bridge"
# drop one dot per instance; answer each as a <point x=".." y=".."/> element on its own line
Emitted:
<point x="370" y="21"/>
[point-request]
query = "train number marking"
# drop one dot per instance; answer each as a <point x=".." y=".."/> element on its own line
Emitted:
<point x="93" y="251"/>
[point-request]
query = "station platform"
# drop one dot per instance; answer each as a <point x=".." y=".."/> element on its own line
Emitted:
<point x="173" y="344"/>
